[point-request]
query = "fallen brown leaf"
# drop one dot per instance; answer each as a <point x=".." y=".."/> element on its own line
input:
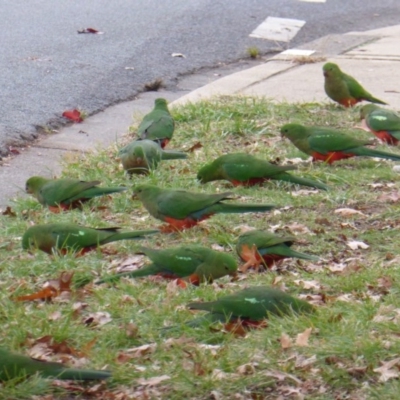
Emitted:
<point x="357" y="244"/>
<point x="246" y="369"/>
<point x="9" y="211"/>
<point x="386" y="370"/>
<point x="196" y="146"/>
<point x="308" y="284"/>
<point x="52" y="289"/>
<point x="132" y="330"/>
<point x="302" y="338"/>
<point x="156" y="380"/>
<point x="285" y="340"/>
<point x="348" y="211"/>
<point x="98" y="318"/>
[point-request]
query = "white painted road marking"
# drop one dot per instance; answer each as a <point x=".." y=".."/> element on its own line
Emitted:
<point x="314" y="1"/>
<point x="279" y="29"/>
<point x="298" y="52"/>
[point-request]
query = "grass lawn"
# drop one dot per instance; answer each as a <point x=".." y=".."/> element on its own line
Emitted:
<point x="353" y="227"/>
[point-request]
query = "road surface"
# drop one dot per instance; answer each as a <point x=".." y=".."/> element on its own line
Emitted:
<point x="46" y="67"/>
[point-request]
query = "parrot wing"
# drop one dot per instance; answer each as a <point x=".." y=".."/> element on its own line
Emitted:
<point x="254" y="303"/>
<point x="181" y="261"/>
<point x="61" y="191"/>
<point x="155" y="125"/>
<point x="84" y="237"/>
<point x="253" y="168"/>
<point x="354" y="87"/>
<point x="324" y="140"/>
<point x="179" y="203"/>
<point x="263" y="239"/>
<point x="384" y="120"/>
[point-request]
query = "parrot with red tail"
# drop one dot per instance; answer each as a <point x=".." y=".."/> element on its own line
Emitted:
<point x="383" y="123"/>
<point x="188" y="264"/>
<point x="66" y="237"/>
<point x="65" y="193"/>
<point x="257" y="247"/>
<point x="158" y="125"/>
<point x="343" y="88"/>
<point x="330" y="145"/>
<point x="247" y="170"/>
<point x="13" y="366"/>
<point x="181" y="209"/>
<point x="248" y="308"/>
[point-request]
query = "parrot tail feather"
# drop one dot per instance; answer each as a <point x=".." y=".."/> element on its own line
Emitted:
<point x="131" y="235"/>
<point x="239" y="208"/>
<point x="302" y="181"/>
<point x="139" y="273"/>
<point x="373" y="99"/>
<point x="365" y="151"/>
<point x="173" y="155"/>
<point x="83" y="375"/>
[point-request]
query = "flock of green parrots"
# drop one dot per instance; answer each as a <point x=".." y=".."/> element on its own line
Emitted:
<point x="180" y="209"/>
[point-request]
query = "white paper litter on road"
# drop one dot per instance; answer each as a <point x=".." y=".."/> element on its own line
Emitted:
<point x="278" y="29"/>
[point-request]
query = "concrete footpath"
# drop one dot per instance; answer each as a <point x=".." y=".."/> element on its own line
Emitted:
<point x="372" y="57"/>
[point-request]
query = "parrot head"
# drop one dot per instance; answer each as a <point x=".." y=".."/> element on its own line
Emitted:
<point x="34" y="183"/>
<point x="367" y="109"/>
<point x="142" y="192"/>
<point x="229" y="264"/>
<point x="134" y="159"/>
<point x="160" y="103"/>
<point x="28" y="240"/>
<point x="206" y="174"/>
<point x="331" y="69"/>
<point x="294" y="131"/>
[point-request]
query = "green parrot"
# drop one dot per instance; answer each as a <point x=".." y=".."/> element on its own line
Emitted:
<point x="245" y="169"/>
<point x="140" y="156"/>
<point x="194" y="264"/>
<point x="258" y="247"/>
<point x="250" y="306"/>
<point x="65" y="193"/>
<point x="343" y="88"/>
<point x="157" y="125"/>
<point x="330" y="145"/>
<point x="181" y="209"/>
<point x="383" y="123"/>
<point x="69" y="237"/>
<point x="14" y="366"/>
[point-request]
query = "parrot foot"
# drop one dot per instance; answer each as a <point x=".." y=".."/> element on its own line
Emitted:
<point x="178" y="225"/>
<point x="168" y="229"/>
<point x="250" y="182"/>
<point x="59" y="209"/>
<point x="386" y="137"/>
<point x="190" y="280"/>
<point x="181" y="283"/>
<point x="164" y="142"/>
<point x="239" y="327"/>
<point x="252" y="258"/>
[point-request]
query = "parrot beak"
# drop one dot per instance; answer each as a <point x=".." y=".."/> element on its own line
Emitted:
<point x="326" y="74"/>
<point x="234" y="276"/>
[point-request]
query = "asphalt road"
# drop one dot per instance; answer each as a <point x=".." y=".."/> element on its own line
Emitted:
<point x="46" y="67"/>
